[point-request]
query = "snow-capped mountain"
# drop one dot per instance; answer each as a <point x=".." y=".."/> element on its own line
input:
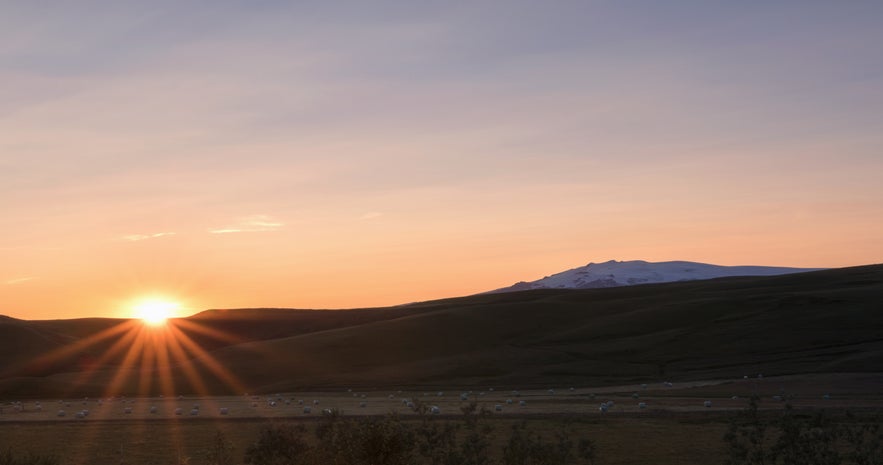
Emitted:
<point x="614" y="273"/>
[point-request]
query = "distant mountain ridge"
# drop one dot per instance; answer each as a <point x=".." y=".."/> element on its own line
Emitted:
<point x="629" y="273"/>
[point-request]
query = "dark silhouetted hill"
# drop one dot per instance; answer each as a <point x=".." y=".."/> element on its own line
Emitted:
<point x="816" y="322"/>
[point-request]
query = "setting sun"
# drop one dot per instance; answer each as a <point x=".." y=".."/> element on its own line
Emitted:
<point x="155" y="312"/>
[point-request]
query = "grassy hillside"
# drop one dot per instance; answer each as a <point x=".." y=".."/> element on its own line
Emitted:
<point x="261" y="324"/>
<point x="826" y="321"/>
<point x="22" y="342"/>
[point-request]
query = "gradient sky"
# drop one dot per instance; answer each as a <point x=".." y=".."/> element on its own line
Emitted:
<point x="338" y="154"/>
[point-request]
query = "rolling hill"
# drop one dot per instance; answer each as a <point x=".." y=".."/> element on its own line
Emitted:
<point x="816" y="322"/>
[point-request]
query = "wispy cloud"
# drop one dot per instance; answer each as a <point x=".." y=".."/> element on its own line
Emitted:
<point x="254" y="223"/>
<point x="371" y="215"/>
<point x="141" y="237"/>
<point x="13" y="282"/>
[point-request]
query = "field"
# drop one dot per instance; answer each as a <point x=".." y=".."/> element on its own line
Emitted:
<point x="674" y="427"/>
<point x="619" y="440"/>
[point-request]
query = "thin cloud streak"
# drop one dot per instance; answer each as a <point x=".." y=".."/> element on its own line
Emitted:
<point x="13" y="282"/>
<point x="142" y="237"/>
<point x="254" y="223"/>
<point x="371" y="215"/>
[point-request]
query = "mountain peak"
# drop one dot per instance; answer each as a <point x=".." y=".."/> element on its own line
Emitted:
<point x="613" y="273"/>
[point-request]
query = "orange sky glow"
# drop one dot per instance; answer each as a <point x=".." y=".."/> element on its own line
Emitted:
<point x="259" y="158"/>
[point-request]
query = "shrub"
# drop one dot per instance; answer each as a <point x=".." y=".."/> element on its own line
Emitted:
<point x="391" y="441"/>
<point x="436" y="440"/>
<point x="526" y="447"/>
<point x="865" y="440"/>
<point x="806" y="442"/>
<point x="220" y="451"/>
<point x="366" y="441"/>
<point x="10" y="458"/>
<point x="475" y="448"/>
<point x="746" y="438"/>
<point x="802" y="439"/>
<point x="278" y="445"/>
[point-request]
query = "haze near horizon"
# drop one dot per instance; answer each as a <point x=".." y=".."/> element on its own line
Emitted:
<point x="246" y="154"/>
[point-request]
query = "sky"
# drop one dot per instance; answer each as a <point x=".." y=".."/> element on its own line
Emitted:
<point x="317" y="154"/>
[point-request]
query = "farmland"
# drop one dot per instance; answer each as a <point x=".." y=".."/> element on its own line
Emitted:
<point x="674" y="427"/>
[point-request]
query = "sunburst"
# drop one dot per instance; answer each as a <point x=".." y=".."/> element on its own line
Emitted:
<point x="141" y="356"/>
<point x="155" y="311"/>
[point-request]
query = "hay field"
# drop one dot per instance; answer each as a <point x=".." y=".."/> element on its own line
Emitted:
<point x="675" y="426"/>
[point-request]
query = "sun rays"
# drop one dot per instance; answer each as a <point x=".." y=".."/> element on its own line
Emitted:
<point x="144" y="358"/>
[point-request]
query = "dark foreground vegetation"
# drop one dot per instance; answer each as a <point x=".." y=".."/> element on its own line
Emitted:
<point x="8" y="457"/>
<point x="795" y="438"/>
<point x="752" y="436"/>
<point x="788" y="438"/>
<point x="370" y="441"/>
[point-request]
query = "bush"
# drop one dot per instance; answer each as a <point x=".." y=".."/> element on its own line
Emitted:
<point x="526" y="447"/>
<point x="746" y="438"/>
<point x="221" y="451"/>
<point x="436" y="440"/>
<point x="475" y="448"/>
<point x="366" y="441"/>
<point x="10" y="458"/>
<point x="278" y="445"/>
<point x="807" y="439"/>
<point x="865" y="440"/>
<point x="391" y="441"/>
<point x="806" y="442"/>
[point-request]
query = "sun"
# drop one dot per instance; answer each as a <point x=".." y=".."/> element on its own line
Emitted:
<point x="155" y="312"/>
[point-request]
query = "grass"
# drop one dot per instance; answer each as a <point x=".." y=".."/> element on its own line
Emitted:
<point x="692" y="438"/>
<point x="658" y="441"/>
<point x="669" y="432"/>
